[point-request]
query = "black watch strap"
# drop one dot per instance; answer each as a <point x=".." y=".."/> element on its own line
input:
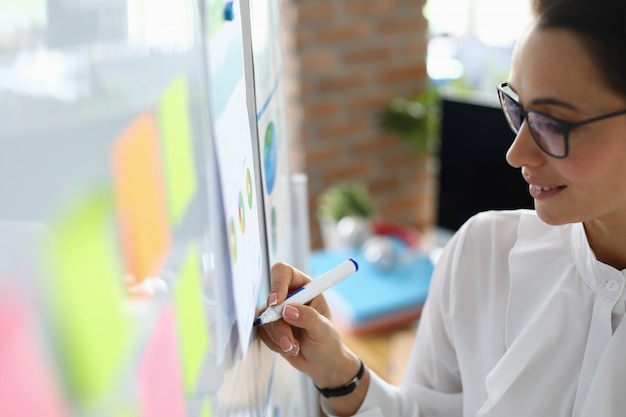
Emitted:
<point x="346" y="389"/>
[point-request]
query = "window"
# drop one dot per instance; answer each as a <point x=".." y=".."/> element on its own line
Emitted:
<point x="472" y="40"/>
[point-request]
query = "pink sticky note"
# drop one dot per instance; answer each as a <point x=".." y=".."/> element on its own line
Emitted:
<point x="27" y="386"/>
<point x="160" y="380"/>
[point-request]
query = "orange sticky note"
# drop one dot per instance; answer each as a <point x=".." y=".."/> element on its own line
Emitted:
<point x="140" y="198"/>
<point x="160" y="380"/>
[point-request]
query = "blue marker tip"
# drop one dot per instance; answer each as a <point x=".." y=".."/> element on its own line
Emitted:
<point x="356" y="265"/>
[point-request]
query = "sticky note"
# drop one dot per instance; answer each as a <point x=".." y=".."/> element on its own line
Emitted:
<point x="207" y="408"/>
<point x="193" y="333"/>
<point x="125" y="409"/>
<point x="140" y="199"/>
<point x="215" y="16"/>
<point x="27" y="386"/>
<point x="160" y="380"/>
<point x="87" y="298"/>
<point x="177" y="149"/>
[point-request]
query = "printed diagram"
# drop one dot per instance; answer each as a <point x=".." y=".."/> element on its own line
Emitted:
<point x="270" y="157"/>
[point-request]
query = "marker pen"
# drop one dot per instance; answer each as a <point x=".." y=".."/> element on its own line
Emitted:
<point x="311" y="290"/>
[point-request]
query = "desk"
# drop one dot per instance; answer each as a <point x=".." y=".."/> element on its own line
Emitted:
<point x="385" y="353"/>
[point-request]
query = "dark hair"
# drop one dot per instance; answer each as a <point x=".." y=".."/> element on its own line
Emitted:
<point x="601" y="24"/>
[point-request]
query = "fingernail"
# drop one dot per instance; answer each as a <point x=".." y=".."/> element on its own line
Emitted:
<point x="285" y="344"/>
<point x="291" y="313"/>
<point x="272" y="300"/>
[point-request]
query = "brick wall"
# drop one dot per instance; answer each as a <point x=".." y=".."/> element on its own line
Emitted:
<point x="345" y="60"/>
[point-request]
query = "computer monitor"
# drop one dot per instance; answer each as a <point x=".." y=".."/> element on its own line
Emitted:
<point x="474" y="175"/>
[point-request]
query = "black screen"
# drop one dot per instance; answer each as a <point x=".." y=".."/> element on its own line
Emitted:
<point x="474" y="174"/>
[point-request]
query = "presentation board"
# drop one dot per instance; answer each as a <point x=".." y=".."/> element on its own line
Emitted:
<point x="146" y="192"/>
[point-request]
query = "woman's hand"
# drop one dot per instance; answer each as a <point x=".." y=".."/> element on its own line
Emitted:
<point x="306" y="336"/>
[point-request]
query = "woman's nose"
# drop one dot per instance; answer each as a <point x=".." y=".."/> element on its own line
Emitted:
<point x="524" y="151"/>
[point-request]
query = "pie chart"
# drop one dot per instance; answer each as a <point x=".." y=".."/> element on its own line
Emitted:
<point x="270" y="157"/>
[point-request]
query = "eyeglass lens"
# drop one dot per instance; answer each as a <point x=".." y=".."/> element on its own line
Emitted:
<point x="512" y="111"/>
<point x="548" y="133"/>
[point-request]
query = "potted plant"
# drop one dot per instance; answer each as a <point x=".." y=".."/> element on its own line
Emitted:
<point x="345" y="211"/>
<point x="416" y="119"/>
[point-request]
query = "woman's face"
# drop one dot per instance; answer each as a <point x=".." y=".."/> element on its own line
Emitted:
<point x="553" y="73"/>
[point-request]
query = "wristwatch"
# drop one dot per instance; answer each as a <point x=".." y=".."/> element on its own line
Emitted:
<point x="345" y="389"/>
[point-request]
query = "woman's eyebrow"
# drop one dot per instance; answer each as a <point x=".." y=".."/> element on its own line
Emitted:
<point x="551" y="101"/>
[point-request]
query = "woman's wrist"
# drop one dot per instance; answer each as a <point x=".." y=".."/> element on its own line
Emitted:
<point x="346" y="388"/>
<point x="340" y="373"/>
<point x="348" y="405"/>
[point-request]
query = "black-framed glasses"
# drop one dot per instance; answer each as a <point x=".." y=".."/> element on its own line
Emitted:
<point x="550" y="133"/>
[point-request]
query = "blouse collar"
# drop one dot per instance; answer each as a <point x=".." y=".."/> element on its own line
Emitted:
<point x="601" y="277"/>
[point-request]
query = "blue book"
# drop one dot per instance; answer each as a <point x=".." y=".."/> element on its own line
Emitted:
<point x="373" y="299"/>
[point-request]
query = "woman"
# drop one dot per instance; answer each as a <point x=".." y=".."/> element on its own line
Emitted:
<point x="524" y="316"/>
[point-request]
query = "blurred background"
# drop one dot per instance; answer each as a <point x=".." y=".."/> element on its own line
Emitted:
<point x="349" y="60"/>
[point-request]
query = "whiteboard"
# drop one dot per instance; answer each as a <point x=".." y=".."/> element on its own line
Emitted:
<point x="117" y="277"/>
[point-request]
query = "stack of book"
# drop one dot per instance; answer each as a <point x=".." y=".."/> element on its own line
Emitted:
<point x="374" y="299"/>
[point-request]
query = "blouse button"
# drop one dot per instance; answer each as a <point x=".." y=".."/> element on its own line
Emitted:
<point x="612" y="285"/>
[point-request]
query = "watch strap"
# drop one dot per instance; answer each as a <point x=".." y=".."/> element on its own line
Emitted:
<point x="345" y="389"/>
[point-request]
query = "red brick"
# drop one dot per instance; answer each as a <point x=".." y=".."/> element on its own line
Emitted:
<point x="344" y="82"/>
<point x="414" y="72"/>
<point x="369" y="7"/>
<point x="315" y="12"/>
<point x="380" y="185"/>
<point x="407" y="158"/>
<point x="369" y="55"/>
<point x="375" y="147"/>
<point x="314" y="157"/>
<point x="343" y="34"/>
<point x="342" y="129"/>
<point x="320" y="110"/>
<point x="346" y="172"/>
<point x="405" y="26"/>
<point x="316" y="61"/>
<point x="370" y="101"/>
<point x="417" y="48"/>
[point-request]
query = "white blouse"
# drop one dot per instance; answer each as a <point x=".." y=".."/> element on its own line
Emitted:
<point x="521" y="320"/>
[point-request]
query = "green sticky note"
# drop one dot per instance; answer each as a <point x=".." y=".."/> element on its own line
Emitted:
<point x="207" y="408"/>
<point x="87" y="298"/>
<point x="193" y="334"/>
<point x="123" y="409"/>
<point x="215" y="16"/>
<point x="177" y="148"/>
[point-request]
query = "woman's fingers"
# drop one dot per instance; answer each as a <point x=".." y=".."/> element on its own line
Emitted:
<point x="308" y="318"/>
<point x="305" y="335"/>
<point x="285" y="278"/>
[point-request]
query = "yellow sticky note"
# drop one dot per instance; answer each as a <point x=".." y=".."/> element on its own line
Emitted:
<point x="140" y="198"/>
<point x="87" y="298"/>
<point x="177" y="149"/>
<point x="207" y="408"/>
<point x="193" y="333"/>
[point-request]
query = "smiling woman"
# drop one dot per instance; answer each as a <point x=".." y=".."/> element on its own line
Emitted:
<point x="525" y="309"/>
